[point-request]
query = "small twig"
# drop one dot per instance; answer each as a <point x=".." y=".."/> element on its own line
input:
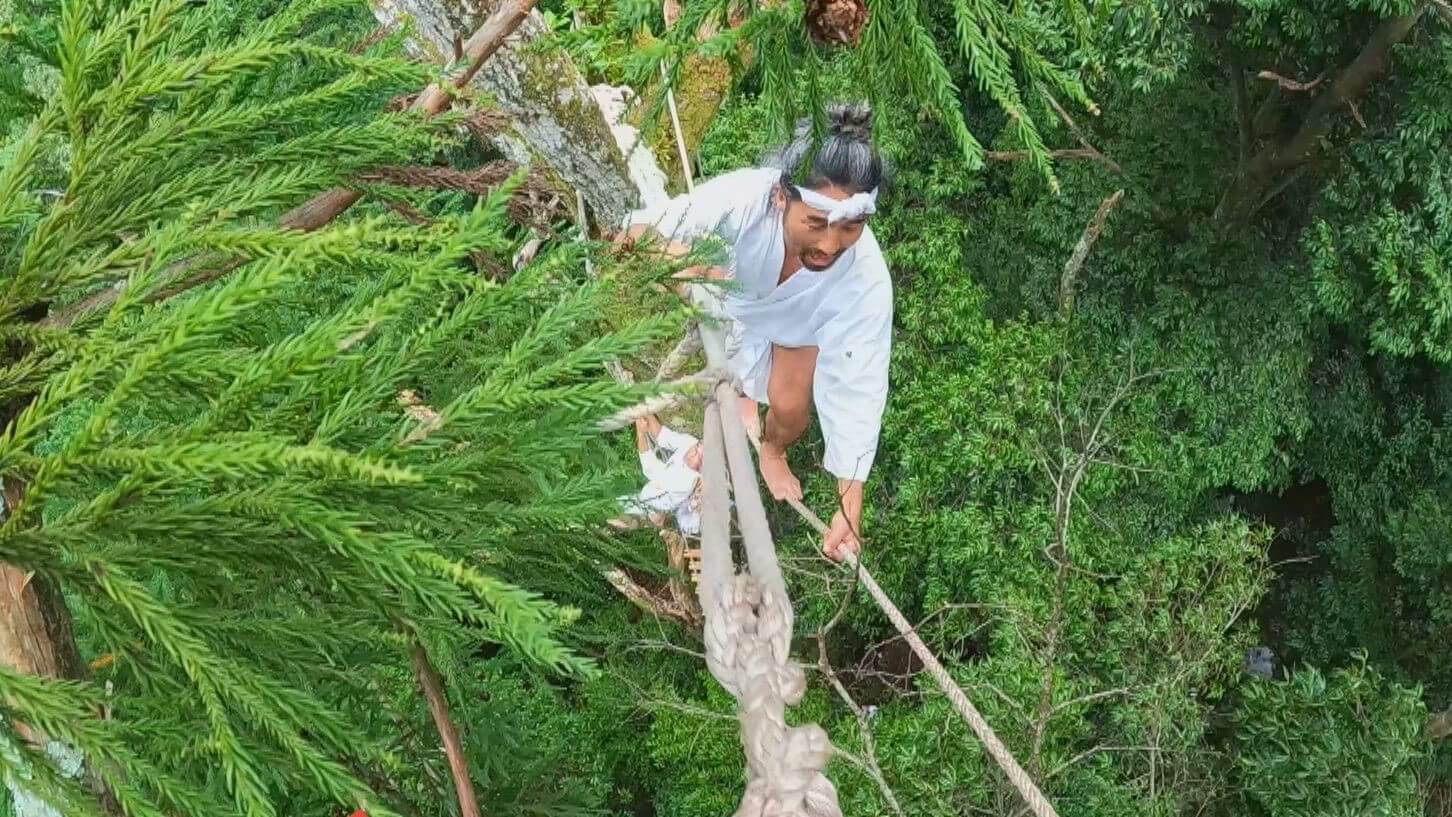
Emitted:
<point x="433" y="689"/>
<point x="664" y="646"/>
<point x="1093" y="696"/>
<point x="1356" y="112"/>
<point x="868" y="764"/>
<point x="1081" y="252"/>
<point x="1291" y="85"/>
<point x="1062" y="153"/>
<point x="377" y="36"/>
<point x="1078" y="132"/>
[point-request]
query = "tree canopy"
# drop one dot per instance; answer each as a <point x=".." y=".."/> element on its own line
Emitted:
<point x="299" y="521"/>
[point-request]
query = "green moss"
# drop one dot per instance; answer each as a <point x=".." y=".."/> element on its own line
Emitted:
<point x="545" y="64"/>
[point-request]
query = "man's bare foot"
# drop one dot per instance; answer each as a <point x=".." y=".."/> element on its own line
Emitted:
<point x="781" y="483"/>
<point x="750" y="418"/>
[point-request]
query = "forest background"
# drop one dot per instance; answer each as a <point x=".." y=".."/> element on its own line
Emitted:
<point x="1176" y="513"/>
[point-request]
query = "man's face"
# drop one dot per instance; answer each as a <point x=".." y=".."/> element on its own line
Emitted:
<point x="810" y="238"/>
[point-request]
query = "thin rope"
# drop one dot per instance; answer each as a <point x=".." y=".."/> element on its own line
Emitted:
<point x="680" y="135"/>
<point x="1032" y="796"/>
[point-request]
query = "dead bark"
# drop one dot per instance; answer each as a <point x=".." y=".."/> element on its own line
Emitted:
<point x="433" y="690"/>
<point x="557" y="122"/>
<point x="36" y="638"/>
<point x="648" y="601"/>
<point x="1260" y="174"/>
<point x="1081" y="252"/>
<point x="681" y="594"/>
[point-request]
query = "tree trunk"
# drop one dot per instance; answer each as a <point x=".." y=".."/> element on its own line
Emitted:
<point x="702" y="88"/>
<point x="1246" y="192"/>
<point x="700" y="91"/>
<point x="557" y="121"/>
<point x="36" y="639"/>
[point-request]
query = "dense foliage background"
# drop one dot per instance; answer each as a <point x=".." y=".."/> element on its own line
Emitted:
<point x="1103" y="497"/>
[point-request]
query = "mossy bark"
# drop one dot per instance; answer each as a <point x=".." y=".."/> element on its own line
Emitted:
<point x="557" y="122"/>
<point x="703" y="86"/>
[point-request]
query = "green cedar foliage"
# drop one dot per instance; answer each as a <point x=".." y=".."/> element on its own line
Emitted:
<point x="1004" y="57"/>
<point x="218" y="475"/>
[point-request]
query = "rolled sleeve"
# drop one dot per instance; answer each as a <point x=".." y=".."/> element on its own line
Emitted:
<point x="652" y="467"/>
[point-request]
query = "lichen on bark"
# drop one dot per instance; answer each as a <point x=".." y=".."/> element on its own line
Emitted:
<point x="537" y="84"/>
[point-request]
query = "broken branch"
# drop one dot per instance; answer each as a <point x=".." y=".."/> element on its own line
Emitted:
<point x="1076" y="260"/>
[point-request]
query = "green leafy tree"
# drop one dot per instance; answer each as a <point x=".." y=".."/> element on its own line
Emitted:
<point x="1338" y="745"/>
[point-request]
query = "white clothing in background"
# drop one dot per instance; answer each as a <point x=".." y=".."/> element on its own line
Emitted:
<point x="670" y="484"/>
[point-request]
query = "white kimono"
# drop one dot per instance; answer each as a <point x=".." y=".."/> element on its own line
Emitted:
<point x="845" y="310"/>
<point x="670" y="485"/>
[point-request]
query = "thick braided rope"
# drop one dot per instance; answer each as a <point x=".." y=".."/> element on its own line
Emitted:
<point x="748" y="632"/>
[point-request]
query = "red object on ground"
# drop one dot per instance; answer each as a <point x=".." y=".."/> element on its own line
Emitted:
<point x="359" y="813"/>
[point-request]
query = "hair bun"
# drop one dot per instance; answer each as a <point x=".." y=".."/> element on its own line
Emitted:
<point x="851" y="120"/>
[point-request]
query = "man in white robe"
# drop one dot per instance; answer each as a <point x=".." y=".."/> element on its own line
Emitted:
<point x="809" y="297"/>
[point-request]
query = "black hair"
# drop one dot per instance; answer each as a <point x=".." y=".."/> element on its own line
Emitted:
<point x="844" y="156"/>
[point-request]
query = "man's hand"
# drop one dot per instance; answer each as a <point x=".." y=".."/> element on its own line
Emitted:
<point x="697" y="273"/>
<point x="842" y="535"/>
<point x="642" y="442"/>
<point x="841" y="538"/>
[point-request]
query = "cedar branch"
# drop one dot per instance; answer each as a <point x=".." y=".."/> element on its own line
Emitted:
<point x="328" y="205"/>
<point x="1092" y="154"/>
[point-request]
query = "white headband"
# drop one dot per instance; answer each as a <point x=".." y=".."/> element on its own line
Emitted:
<point x="858" y="204"/>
